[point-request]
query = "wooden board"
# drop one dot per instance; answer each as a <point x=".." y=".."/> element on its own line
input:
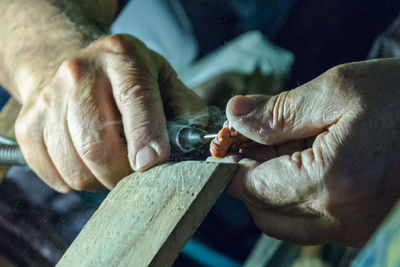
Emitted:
<point x="148" y="218"/>
<point x="8" y="115"/>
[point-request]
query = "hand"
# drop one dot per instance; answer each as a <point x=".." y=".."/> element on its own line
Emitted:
<point x="327" y="167"/>
<point x="102" y="115"/>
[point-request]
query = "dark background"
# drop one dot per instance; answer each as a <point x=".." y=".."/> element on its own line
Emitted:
<point x="320" y="33"/>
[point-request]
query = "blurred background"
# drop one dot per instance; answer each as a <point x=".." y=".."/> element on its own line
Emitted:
<point x="219" y="48"/>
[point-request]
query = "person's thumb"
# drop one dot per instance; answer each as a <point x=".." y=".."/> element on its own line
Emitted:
<point x="294" y="114"/>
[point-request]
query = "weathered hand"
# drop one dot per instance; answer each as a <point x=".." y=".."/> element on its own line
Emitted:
<point x="328" y="169"/>
<point x="102" y="115"/>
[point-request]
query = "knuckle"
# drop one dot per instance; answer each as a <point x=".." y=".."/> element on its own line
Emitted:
<point x="79" y="183"/>
<point x="62" y="189"/>
<point x="32" y="119"/>
<point x="117" y="43"/>
<point x="72" y="69"/>
<point x="137" y="93"/>
<point x="140" y="131"/>
<point x="343" y="89"/>
<point x="341" y="74"/>
<point x="94" y="151"/>
<point x="44" y="102"/>
<point x="23" y="129"/>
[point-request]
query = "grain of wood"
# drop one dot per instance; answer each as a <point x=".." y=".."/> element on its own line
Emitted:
<point x="8" y="116"/>
<point x="148" y="218"/>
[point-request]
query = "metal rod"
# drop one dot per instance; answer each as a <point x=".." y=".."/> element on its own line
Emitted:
<point x="7" y="141"/>
<point x="210" y="136"/>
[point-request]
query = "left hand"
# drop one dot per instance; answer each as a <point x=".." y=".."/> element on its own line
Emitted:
<point x="102" y="115"/>
<point x="327" y="167"/>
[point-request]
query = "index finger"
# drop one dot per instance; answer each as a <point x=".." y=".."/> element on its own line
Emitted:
<point x="138" y="98"/>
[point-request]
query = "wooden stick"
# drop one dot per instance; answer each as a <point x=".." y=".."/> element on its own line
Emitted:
<point x="148" y="218"/>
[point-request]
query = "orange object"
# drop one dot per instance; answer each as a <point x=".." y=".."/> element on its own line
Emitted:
<point x="220" y="145"/>
<point x="226" y="139"/>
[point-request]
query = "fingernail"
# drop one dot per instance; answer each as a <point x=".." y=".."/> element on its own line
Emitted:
<point x="242" y="105"/>
<point x="145" y="158"/>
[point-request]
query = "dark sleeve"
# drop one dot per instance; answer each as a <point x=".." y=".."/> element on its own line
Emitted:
<point x="121" y="5"/>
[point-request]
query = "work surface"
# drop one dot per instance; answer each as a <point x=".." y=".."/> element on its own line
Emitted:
<point x="148" y="218"/>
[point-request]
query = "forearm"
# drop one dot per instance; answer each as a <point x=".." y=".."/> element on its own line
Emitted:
<point x="38" y="35"/>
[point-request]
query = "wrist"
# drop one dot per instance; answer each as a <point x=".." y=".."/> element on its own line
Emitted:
<point x="31" y="75"/>
<point x="34" y="46"/>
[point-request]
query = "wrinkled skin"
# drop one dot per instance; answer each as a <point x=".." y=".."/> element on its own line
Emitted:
<point x="102" y="115"/>
<point x="327" y="167"/>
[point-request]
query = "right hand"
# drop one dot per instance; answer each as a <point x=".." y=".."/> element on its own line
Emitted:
<point x="325" y="164"/>
<point x="102" y="115"/>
